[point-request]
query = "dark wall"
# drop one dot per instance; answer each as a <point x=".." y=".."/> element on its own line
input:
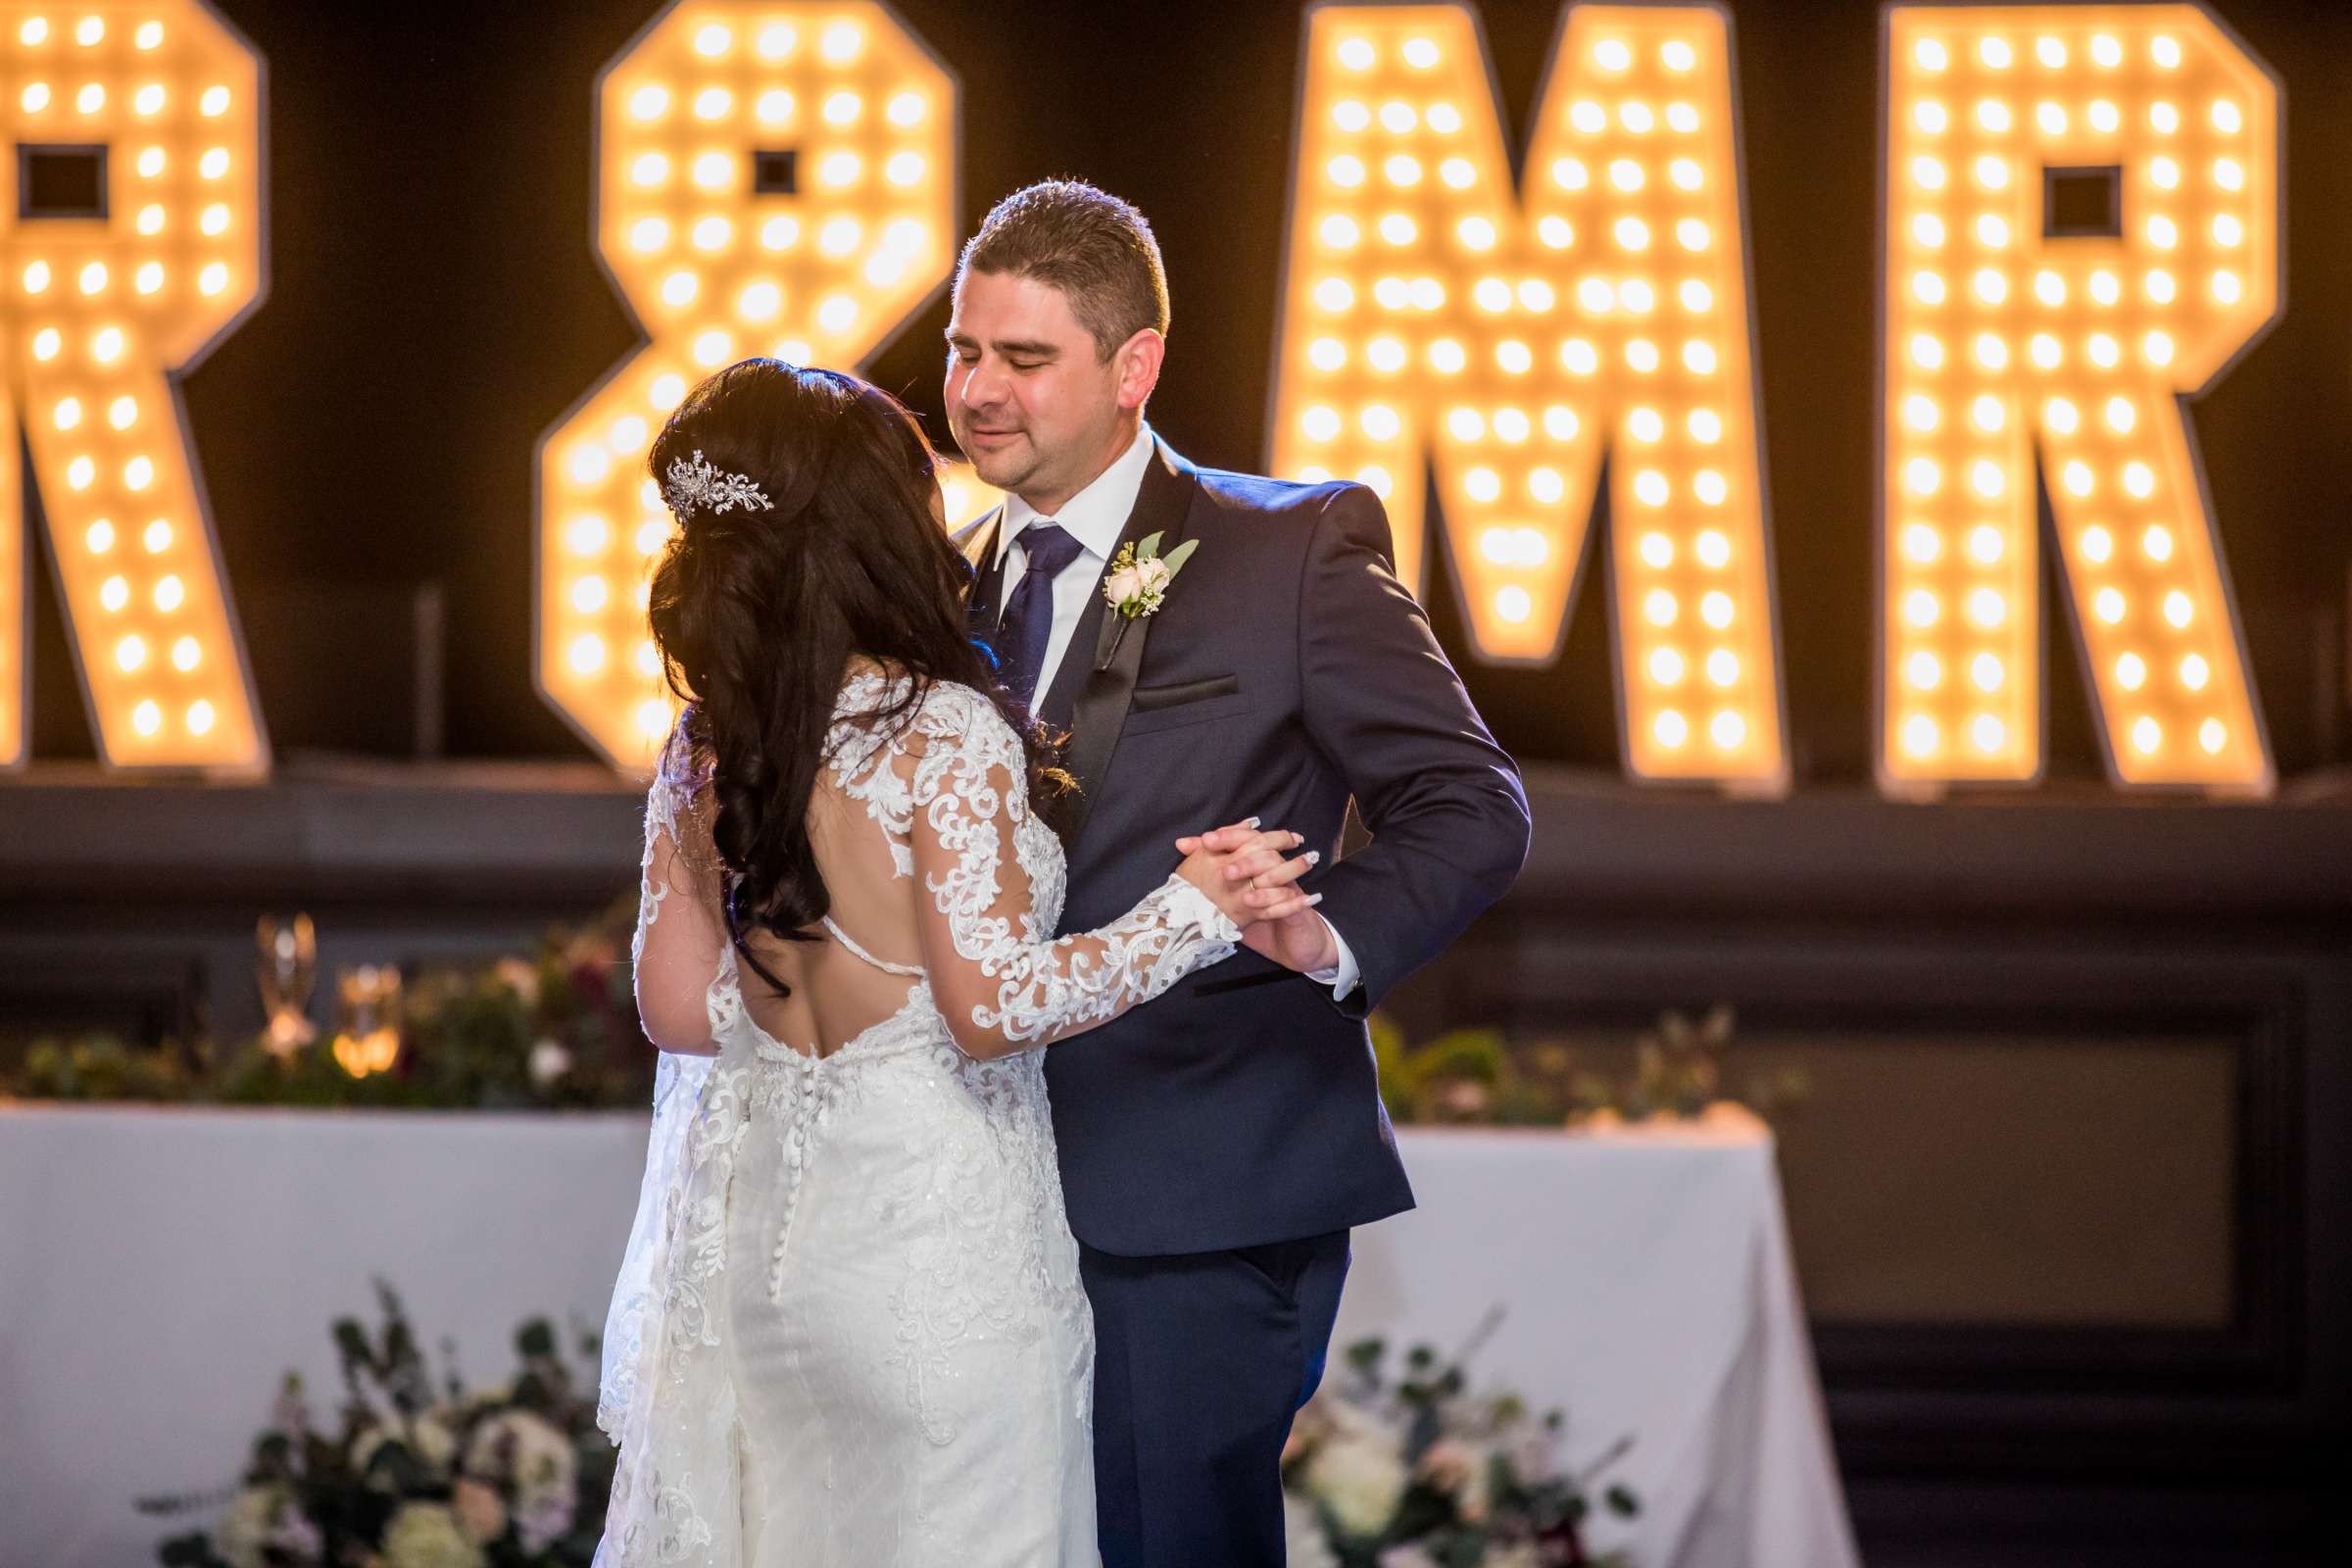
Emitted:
<point x="435" y="305"/>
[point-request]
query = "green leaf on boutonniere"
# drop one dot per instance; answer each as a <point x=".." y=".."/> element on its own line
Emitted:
<point x="1180" y="555"/>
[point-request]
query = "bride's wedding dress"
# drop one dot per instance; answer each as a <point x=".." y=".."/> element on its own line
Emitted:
<point x="848" y="1328"/>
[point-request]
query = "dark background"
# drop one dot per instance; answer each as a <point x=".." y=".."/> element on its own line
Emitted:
<point x="435" y="304"/>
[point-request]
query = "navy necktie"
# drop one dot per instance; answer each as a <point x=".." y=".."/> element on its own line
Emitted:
<point x="1027" y="623"/>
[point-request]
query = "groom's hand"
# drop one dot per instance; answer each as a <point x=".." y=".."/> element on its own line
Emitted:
<point x="1302" y="940"/>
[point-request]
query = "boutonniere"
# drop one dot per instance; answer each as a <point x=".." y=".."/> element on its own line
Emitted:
<point x="1138" y="585"/>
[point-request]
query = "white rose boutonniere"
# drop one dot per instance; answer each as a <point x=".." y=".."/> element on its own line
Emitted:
<point x="1139" y="576"/>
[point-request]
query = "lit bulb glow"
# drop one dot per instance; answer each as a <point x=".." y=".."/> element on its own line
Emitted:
<point x="1601" y="309"/>
<point x="100" y="314"/>
<point x="718" y="272"/>
<point x="2092" y="368"/>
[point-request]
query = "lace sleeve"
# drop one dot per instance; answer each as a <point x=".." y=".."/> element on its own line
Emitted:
<point x="681" y="931"/>
<point x="1000" y="979"/>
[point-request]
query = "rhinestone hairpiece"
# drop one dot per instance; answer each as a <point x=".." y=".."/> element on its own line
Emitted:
<point x="698" y="486"/>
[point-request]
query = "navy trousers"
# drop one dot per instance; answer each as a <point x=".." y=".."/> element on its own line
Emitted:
<point x="1201" y="1360"/>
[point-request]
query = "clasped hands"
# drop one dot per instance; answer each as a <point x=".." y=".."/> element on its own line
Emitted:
<point x="1251" y="874"/>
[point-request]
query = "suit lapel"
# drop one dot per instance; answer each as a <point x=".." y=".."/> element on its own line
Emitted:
<point x="1091" y="690"/>
<point x="979" y="546"/>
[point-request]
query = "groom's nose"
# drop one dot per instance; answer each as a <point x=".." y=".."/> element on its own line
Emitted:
<point x="985" y="385"/>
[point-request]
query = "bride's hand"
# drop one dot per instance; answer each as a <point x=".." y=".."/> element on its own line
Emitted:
<point x="1247" y="873"/>
<point x="1283" y="927"/>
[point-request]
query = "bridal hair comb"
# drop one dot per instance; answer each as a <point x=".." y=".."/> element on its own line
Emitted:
<point x="697" y="487"/>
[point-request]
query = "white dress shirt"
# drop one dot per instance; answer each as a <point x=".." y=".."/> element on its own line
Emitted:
<point x="1096" y="516"/>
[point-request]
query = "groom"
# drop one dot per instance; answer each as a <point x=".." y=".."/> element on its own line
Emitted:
<point x="1217" y="1144"/>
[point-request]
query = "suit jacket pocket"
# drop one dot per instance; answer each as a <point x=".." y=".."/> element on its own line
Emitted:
<point x="1184" y="703"/>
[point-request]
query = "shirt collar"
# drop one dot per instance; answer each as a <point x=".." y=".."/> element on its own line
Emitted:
<point x="1096" y="516"/>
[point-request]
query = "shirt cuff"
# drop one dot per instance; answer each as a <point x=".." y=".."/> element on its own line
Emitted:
<point x="1343" y="976"/>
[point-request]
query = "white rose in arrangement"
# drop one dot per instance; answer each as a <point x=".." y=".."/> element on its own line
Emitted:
<point x="425" y="1535"/>
<point x="1359" y="1480"/>
<point x="1303" y="1542"/>
<point x="1152" y="575"/>
<point x="539" y="1459"/>
<point x="482" y="1513"/>
<point x="1123" y="584"/>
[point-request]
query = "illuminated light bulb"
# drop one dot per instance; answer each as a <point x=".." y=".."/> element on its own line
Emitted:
<point x="1992" y="352"/>
<point x="1657" y="550"/>
<point x="1327" y="353"/>
<point x="2213" y="735"/>
<point x="2194" y="671"/>
<point x="1556" y="233"/>
<point x="1926" y="352"/>
<point x="776" y="40"/>
<point x="1670" y="729"/>
<point x="151" y="220"/>
<point x="1926" y="229"/>
<point x="2044" y="351"/>
<point x="91" y="99"/>
<point x="2160" y="286"/>
<point x="1546" y="486"/>
<point x="214" y="163"/>
<point x="1393" y="293"/>
<point x="1985" y="477"/>
<point x="2050" y="52"/>
<point x="904" y="169"/>
<point x="170" y="594"/>
<point x="114" y="593"/>
<point x="148" y="100"/>
<point x="589" y="595"/>
<point x="2120" y="416"/>
<point x="649" y="102"/>
<point x="1356" y="54"/>
<point x="1714" y="546"/>
<point x="215" y="103"/>
<point x="1596" y="296"/>
<point x="629" y="434"/>
<point x="1666" y="667"/>
<point x="1642" y="355"/>
<point x="1922" y="543"/>
<point x="666" y="391"/>
<point x="2157" y="543"/>
<point x="2106" y="51"/>
<point x="1580" y="356"/>
<point x="1646" y="427"/>
<point x="1444" y="119"/>
<point x="1514" y="357"/>
<point x="650" y="169"/>
<point x="1727" y="729"/>
<point x="1466" y="424"/>
<point x="2139" y="479"/>
<point x="840" y="236"/>
<point x="760" y="302"/>
<point x="1988" y="731"/>
<point x="215" y="219"/>
<point x="714" y="40"/>
<point x="157" y="537"/>
<point x="2104" y="118"/>
<point x="1475" y="233"/>
<point x="186" y="654"/>
<point x="2049" y="287"/>
<point x="1696" y="296"/>
<point x="2131" y="671"/>
<point x="774" y="107"/>
<point x="842" y="108"/>
<point x="1570" y="174"/>
<point x="1482" y="485"/>
<point x="2165" y="51"/>
<point x="1990" y="286"/>
<point x="2050" y="118"/>
<point x="838" y="169"/>
<point x="2177" y="608"/>
<point x="2103" y="349"/>
<point x="1589" y="116"/>
<point x="1457" y="173"/>
<point x="1993" y="232"/>
<point x="1919" y="412"/>
<point x="1513" y="604"/>
<point x="1511" y="424"/>
<point x="1984" y="543"/>
<point x="1930" y="54"/>
<point x="653" y="718"/>
<point x="1376" y="478"/>
<point x="1421" y="53"/>
<point x="1993" y="173"/>
<point x="587" y="654"/>
<point x="1986" y="608"/>
<point x="80" y="473"/>
<point x="1995" y="53"/>
<point x="1706" y="427"/>
<point x="68" y="414"/>
<point x="1448" y="356"/>
<point x="1380" y="421"/>
<point x="1613" y="54"/>
<point x="648" y="658"/>
<point x="1992" y="115"/>
<point x="1398" y="118"/>
<point x="2105" y="288"/>
<point x="653" y="535"/>
<point x="1402" y="171"/>
<point x="679" y="288"/>
<point x="35" y="98"/>
<point x="1339" y="233"/>
<point x="1682" y="117"/>
<point x="138" y="473"/>
<point x="131" y="653"/>
<point x="1320" y="423"/>
<point x="588" y="535"/>
<point x="1920" y="737"/>
<point x="2061" y="415"/>
<point x="1660" y="608"/>
<point x="2146" y="734"/>
<point x="2225" y="287"/>
<point x="1931" y="117"/>
<point x="1922" y="671"/>
<point x="1691" y="234"/>
<point x="2097" y="544"/>
<point x="1922" y="477"/>
<point x="1710" y="487"/>
<point x="1699" y="358"/>
<point x="147" y="718"/>
<point x="2158" y="346"/>
<point x="649" y="234"/>
<point x="2229" y="173"/>
<point x="2163" y="234"/>
<point x="2108" y="605"/>
<point x="1987" y="413"/>
<point x="2164" y="118"/>
<point x="1632" y="234"/>
<point x="1637" y="118"/>
<point x="1723" y="666"/>
<point x="122" y="412"/>
<point x="1334" y="294"/>
<point x="1650" y="488"/>
<point x="1927" y="172"/>
<point x="2227" y="117"/>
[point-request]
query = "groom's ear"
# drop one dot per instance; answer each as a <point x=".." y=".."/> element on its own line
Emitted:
<point x="1138" y="363"/>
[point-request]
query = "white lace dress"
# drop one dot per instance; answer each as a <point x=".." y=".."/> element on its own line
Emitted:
<point x="848" y="1328"/>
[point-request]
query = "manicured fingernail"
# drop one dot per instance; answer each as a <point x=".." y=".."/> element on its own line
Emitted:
<point x="1314" y="857"/>
<point x="1313" y="899"/>
<point x="1298" y="839"/>
<point x="1253" y="823"/>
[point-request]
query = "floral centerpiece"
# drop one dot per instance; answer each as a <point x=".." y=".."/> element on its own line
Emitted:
<point x="1419" y="1473"/>
<point x="415" y="1475"/>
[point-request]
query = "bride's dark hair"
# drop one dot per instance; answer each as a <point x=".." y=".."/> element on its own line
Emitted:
<point x="758" y="612"/>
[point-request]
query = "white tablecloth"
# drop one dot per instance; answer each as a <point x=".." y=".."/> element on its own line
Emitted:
<point x="161" y="1270"/>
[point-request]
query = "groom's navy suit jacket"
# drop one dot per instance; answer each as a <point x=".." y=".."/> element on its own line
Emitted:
<point x="1287" y="670"/>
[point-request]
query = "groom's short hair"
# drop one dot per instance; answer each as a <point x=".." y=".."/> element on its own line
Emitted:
<point x="1093" y="247"/>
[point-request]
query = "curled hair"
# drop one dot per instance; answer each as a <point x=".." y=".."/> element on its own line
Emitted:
<point x="758" y="612"/>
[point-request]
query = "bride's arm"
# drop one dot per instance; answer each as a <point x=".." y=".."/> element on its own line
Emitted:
<point x="1003" y="983"/>
<point x="681" y="929"/>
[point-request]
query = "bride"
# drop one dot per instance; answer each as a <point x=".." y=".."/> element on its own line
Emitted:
<point x="848" y="1328"/>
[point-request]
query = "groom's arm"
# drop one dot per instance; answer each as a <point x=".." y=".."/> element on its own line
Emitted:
<point x="1444" y="803"/>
